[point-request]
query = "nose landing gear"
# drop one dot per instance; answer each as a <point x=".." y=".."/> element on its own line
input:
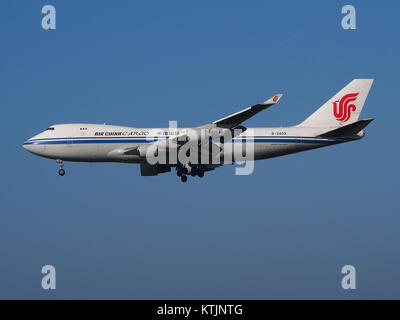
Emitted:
<point x="61" y="172"/>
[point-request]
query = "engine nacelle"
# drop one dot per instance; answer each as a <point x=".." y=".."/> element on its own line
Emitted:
<point x="153" y="170"/>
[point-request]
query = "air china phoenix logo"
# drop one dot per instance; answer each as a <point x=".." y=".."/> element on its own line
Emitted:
<point x="342" y="112"/>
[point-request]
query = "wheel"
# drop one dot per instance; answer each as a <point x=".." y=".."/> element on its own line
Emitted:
<point x="61" y="172"/>
<point x="201" y="174"/>
<point x="183" y="178"/>
<point x="179" y="173"/>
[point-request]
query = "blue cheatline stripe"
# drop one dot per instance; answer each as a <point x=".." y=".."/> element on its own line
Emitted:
<point x="135" y="140"/>
<point x="71" y="141"/>
<point x="165" y="137"/>
<point x="299" y="140"/>
<point x="73" y="138"/>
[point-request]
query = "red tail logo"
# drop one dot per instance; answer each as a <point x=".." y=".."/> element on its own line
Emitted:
<point x="343" y="111"/>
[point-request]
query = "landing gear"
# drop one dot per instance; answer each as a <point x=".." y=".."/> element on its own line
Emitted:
<point x="61" y="172"/>
<point x="181" y="171"/>
<point x="184" y="170"/>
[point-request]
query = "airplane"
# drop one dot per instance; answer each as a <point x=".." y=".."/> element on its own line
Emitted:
<point x="336" y="121"/>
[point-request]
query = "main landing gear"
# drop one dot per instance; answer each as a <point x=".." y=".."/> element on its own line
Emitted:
<point x="183" y="170"/>
<point x="61" y="172"/>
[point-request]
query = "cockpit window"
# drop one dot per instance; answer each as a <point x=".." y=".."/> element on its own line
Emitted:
<point x="51" y="128"/>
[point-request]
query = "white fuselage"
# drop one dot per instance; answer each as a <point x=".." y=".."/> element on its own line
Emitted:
<point x="105" y="143"/>
<point x="197" y="150"/>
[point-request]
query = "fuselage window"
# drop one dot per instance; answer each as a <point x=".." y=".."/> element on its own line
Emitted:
<point x="50" y="128"/>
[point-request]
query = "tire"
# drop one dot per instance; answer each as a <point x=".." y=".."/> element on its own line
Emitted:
<point x="61" y="172"/>
<point x="201" y="174"/>
<point x="183" y="178"/>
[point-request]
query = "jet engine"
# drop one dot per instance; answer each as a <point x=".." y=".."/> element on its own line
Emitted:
<point x="153" y="170"/>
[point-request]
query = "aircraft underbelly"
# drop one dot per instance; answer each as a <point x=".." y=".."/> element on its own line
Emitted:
<point x="270" y="150"/>
<point x="85" y="152"/>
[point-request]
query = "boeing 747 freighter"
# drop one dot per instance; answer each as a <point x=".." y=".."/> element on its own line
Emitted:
<point x="193" y="151"/>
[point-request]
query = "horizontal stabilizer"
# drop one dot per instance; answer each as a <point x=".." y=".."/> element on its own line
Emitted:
<point x="347" y="131"/>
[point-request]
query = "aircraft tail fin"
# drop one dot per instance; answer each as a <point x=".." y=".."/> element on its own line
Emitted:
<point x="343" y="108"/>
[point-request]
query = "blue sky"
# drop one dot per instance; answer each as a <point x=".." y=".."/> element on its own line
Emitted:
<point x="283" y="232"/>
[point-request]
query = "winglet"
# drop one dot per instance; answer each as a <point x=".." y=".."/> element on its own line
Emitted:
<point x="273" y="99"/>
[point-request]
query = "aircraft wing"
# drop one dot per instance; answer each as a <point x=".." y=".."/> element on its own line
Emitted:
<point x="237" y="118"/>
<point x="229" y="122"/>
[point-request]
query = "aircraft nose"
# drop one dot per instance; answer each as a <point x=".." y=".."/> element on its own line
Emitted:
<point x="34" y="145"/>
<point x="26" y="145"/>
